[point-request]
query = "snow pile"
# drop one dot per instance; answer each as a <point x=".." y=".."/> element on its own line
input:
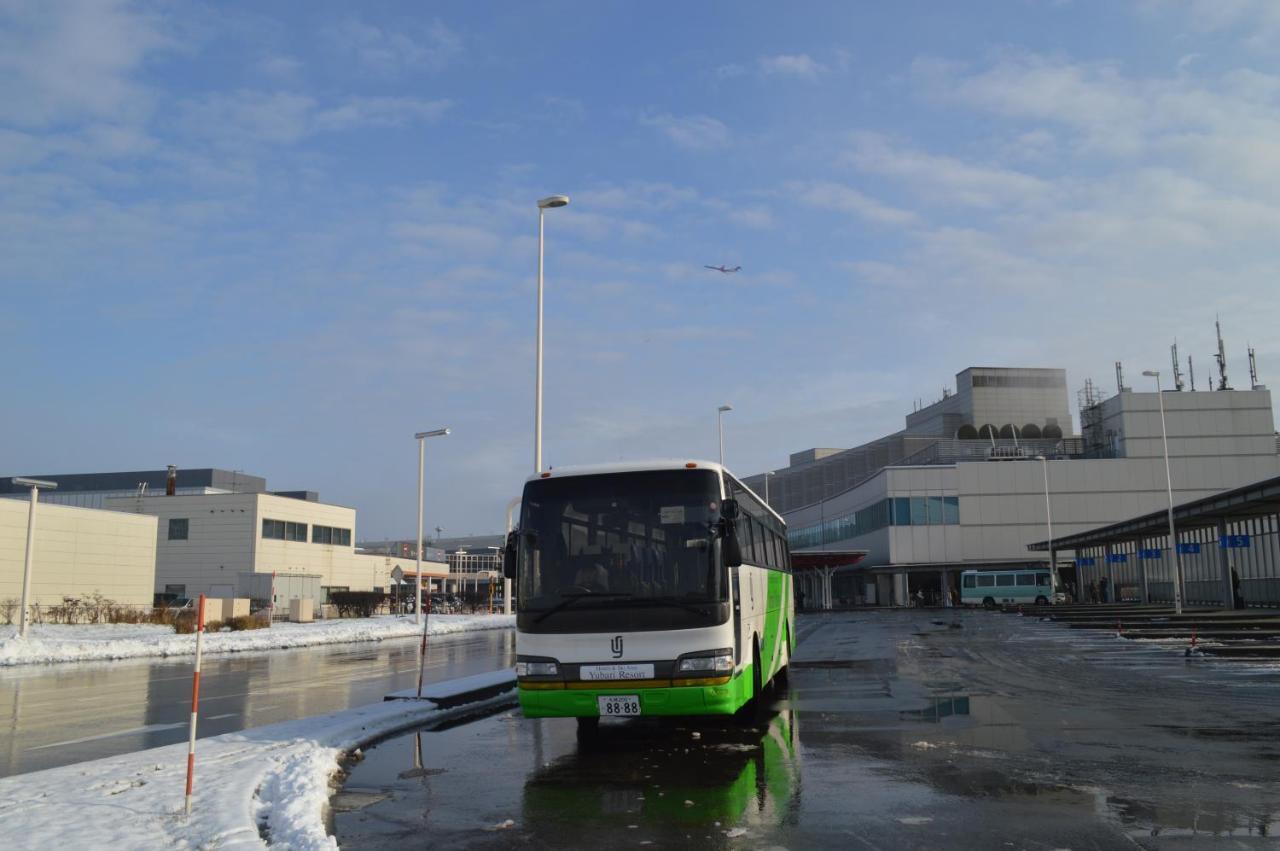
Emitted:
<point x="61" y="643"/>
<point x="272" y="781"/>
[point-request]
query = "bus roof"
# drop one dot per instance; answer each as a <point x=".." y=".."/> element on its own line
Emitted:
<point x="641" y="466"/>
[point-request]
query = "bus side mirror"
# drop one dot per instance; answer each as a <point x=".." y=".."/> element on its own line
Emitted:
<point x="509" y="557"/>
<point x="729" y="509"/>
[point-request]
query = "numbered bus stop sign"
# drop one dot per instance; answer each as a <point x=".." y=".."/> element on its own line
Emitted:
<point x="1117" y="558"/>
<point x="1234" y="542"/>
<point x="1086" y="561"/>
<point x="1150" y="554"/>
<point x="1188" y="549"/>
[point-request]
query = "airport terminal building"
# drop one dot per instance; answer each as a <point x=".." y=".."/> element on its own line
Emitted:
<point x="963" y="485"/>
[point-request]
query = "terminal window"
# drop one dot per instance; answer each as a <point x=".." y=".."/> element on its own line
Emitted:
<point x="1019" y="380"/>
<point x="331" y="535"/>
<point x="283" y="530"/>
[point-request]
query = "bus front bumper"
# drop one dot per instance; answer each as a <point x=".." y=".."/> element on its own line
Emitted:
<point x="579" y="701"/>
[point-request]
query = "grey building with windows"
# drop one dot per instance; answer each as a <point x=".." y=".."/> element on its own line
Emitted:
<point x="963" y="486"/>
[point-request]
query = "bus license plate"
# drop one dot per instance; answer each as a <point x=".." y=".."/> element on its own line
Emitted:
<point x="618" y="705"/>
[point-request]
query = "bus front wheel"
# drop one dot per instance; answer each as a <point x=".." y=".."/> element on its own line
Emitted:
<point x="988" y="602"/>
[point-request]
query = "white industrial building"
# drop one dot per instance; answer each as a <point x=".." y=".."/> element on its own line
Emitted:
<point x="967" y="491"/>
<point x="230" y="545"/>
<point x="78" y="552"/>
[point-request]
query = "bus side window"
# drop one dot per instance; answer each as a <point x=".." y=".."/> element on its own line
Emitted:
<point x="1026" y="579"/>
<point x="986" y="580"/>
<point x="1042" y="579"/>
<point x="970" y="581"/>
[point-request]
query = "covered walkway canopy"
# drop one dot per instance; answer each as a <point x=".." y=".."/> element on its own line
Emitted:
<point x="1235" y="530"/>
<point x="1260" y="499"/>
<point x="813" y="572"/>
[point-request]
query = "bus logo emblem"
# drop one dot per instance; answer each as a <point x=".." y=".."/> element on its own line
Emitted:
<point x="616" y="646"/>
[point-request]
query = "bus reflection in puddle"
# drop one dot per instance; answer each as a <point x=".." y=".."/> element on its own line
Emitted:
<point x="671" y="775"/>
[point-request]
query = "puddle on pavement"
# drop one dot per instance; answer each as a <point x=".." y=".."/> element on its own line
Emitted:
<point x="653" y="780"/>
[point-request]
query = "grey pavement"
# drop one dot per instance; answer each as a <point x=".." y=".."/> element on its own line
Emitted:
<point x="59" y="714"/>
<point x="899" y="730"/>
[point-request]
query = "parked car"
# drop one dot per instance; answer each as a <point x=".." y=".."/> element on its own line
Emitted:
<point x="179" y="605"/>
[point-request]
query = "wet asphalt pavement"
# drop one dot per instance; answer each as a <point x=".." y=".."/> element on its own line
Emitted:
<point x="896" y="732"/>
<point x="54" y="715"/>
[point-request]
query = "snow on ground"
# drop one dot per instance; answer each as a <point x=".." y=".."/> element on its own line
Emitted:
<point x="272" y="781"/>
<point x="62" y="643"/>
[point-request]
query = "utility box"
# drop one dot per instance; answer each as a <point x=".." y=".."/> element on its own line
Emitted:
<point x="226" y="608"/>
<point x="300" y="610"/>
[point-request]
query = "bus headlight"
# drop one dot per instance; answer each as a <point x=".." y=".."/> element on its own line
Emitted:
<point x="537" y="669"/>
<point x="710" y="663"/>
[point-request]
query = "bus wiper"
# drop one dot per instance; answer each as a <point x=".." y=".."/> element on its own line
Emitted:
<point x="570" y="599"/>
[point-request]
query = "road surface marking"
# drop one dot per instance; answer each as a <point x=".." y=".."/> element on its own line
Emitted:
<point x="150" y="728"/>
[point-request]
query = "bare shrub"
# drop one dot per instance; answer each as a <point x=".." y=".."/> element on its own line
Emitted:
<point x="9" y="609"/>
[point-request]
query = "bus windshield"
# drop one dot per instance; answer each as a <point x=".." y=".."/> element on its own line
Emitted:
<point x="643" y="543"/>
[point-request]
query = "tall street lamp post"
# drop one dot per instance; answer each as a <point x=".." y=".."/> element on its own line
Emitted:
<point x="549" y="203"/>
<point x="720" y="412"/>
<point x="768" y="476"/>
<point x="1048" y="516"/>
<point x="417" y="579"/>
<point x="35" y="484"/>
<point x="1168" y="480"/>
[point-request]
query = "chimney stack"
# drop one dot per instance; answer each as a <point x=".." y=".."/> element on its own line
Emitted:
<point x="171" y="481"/>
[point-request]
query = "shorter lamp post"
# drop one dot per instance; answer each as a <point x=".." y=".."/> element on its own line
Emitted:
<point x="767" y="476"/>
<point x="24" y="622"/>
<point x="417" y="579"/>
<point x="720" y="412"/>
<point x="1168" y="479"/>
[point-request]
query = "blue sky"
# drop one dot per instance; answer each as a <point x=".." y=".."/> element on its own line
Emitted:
<point x="283" y="237"/>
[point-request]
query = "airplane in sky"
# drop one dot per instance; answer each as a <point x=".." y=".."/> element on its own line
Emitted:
<point x="725" y="269"/>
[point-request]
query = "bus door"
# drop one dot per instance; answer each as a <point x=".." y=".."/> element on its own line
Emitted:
<point x="737" y="616"/>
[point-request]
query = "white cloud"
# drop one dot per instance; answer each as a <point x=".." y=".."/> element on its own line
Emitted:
<point x="285" y="117"/>
<point x="637" y="195"/>
<point x="846" y="199"/>
<point x="757" y="216"/>
<point x="791" y="65"/>
<point x="1258" y="20"/>
<point x="72" y="60"/>
<point x="389" y="50"/>
<point x="379" y="112"/>
<point x="694" y="132"/>
<point x="280" y="66"/>
<point x="729" y="71"/>
<point x="941" y="178"/>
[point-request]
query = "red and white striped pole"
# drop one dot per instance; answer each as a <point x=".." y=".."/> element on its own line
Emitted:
<point x="195" y="705"/>
<point x="422" y="651"/>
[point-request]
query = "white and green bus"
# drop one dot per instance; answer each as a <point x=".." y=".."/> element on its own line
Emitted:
<point x="1037" y="586"/>
<point x="659" y="588"/>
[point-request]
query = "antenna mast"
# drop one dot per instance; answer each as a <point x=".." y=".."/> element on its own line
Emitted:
<point x="1253" y="370"/>
<point x="1191" y="372"/>
<point x="1177" y="372"/>
<point x="1221" y="357"/>
<point x="1120" y="388"/>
